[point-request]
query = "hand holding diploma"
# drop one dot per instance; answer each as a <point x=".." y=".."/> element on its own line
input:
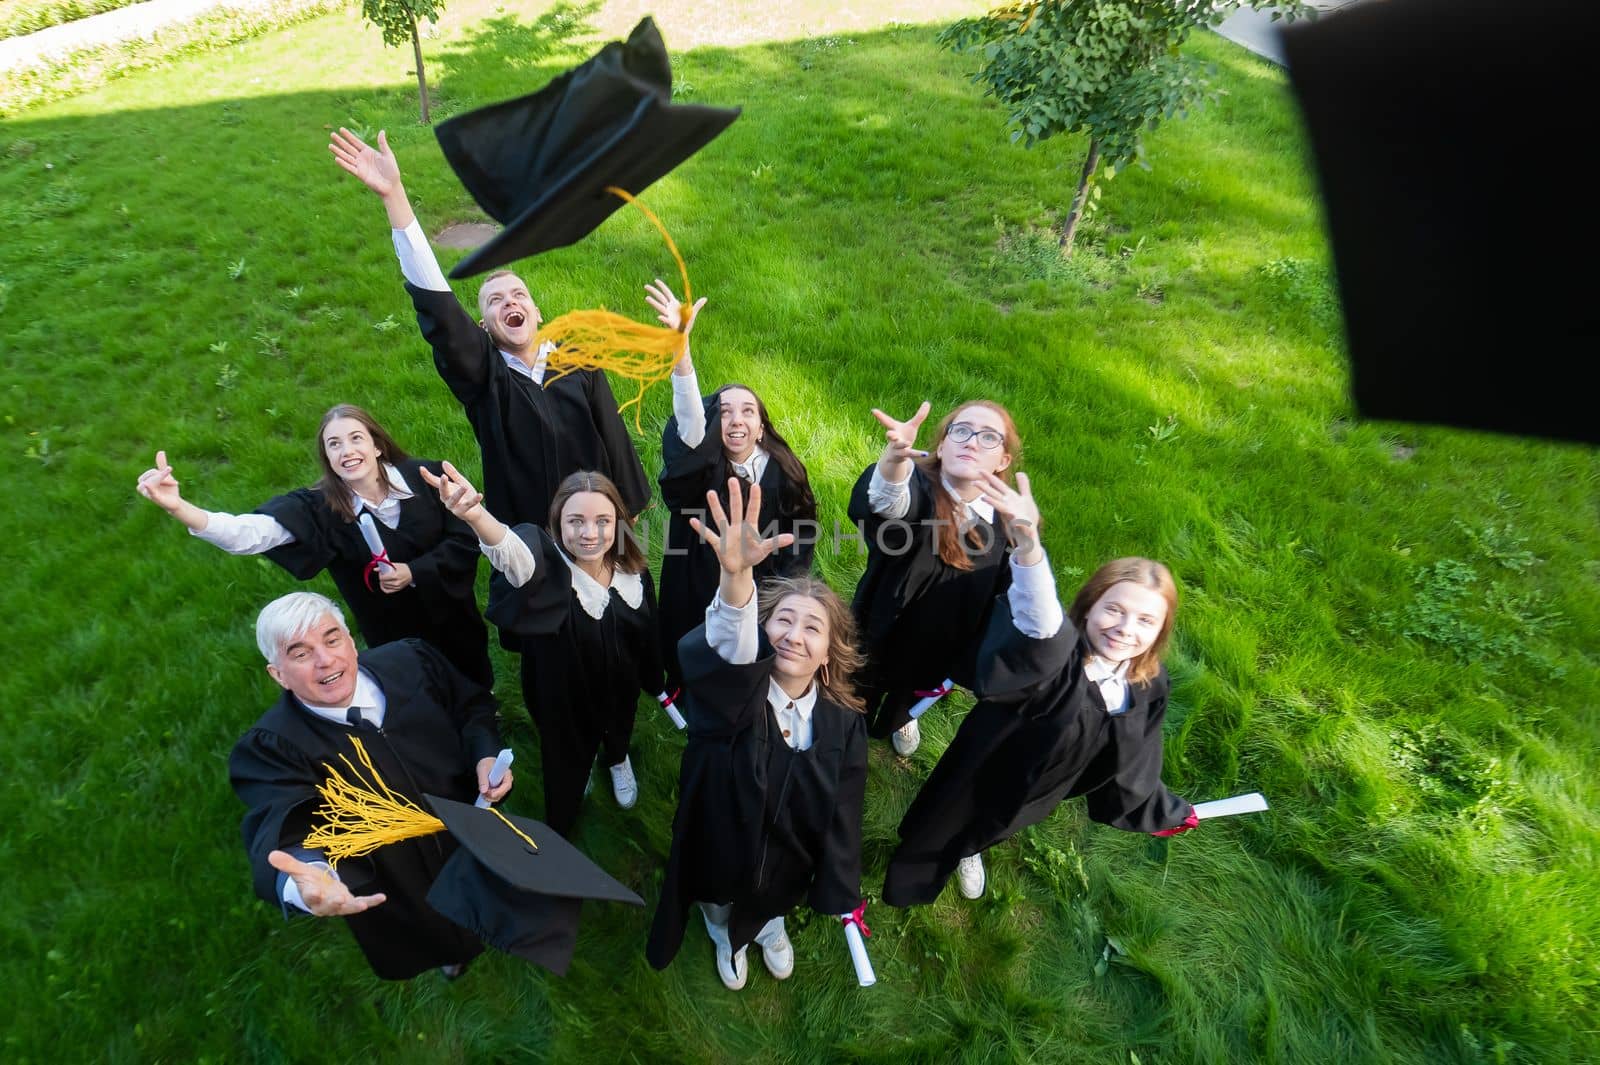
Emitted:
<point x="324" y="895"/>
<point x="490" y="784"/>
<point x="855" y="926"/>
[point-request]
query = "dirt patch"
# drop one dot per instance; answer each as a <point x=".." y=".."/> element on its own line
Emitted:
<point x="465" y="235"/>
<point x="1401" y="452"/>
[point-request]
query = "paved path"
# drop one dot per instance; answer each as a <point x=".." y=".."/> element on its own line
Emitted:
<point x="1257" y="32"/>
<point x="123" y="24"/>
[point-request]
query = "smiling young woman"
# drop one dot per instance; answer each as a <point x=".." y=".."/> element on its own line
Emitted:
<point x="708" y="440"/>
<point x="578" y="604"/>
<point x="772" y="780"/>
<point x="426" y="590"/>
<point x="935" y="557"/>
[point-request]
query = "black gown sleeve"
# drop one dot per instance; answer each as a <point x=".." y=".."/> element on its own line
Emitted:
<point x="278" y="784"/>
<point x="721" y="699"/>
<point x="687" y="473"/>
<point x="540" y="607"/>
<point x="1012" y="665"/>
<point x="1135" y="799"/>
<point x="462" y="349"/>
<point x="627" y="472"/>
<point x="306" y="516"/>
<point x="448" y="568"/>
<point x="647" y="655"/>
<point x="836" y="888"/>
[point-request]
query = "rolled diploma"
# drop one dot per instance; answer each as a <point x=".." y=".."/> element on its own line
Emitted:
<point x="497" y="773"/>
<point x="369" y="533"/>
<point x="1239" y="804"/>
<point x="672" y="711"/>
<point x="858" y="955"/>
<point x="921" y="706"/>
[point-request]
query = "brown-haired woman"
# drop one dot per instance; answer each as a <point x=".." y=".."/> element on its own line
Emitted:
<point x="1068" y="705"/>
<point x="708" y="440"/>
<point x="935" y="557"/>
<point x="423" y="585"/>
<point x="582" y="612"/>
<point x="772" y="780"/>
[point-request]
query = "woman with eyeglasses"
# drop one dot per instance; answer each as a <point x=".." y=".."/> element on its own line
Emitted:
<point x="935" y="558"/>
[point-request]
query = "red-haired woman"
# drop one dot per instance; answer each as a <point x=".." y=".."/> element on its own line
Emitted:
<point x="772" y="780"/>
<point x="370" y="488"/>
<point x="935" y="557"/>
<point x="1070" y="703"/>
<point x="582" y="612"/>
<point x="708" y="440"/>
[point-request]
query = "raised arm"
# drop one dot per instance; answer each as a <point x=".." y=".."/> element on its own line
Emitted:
<point x="737" y="542"/>
<point x="687" y="407"/>
<point x="160" y="487"/>
<point x="506" y="553"/>
<point x="900" y="444"/>
<point x="377" y="169"/>
<point x="237" y="534"/>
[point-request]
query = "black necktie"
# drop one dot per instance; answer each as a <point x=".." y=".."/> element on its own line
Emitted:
<point x="353" y="715"/>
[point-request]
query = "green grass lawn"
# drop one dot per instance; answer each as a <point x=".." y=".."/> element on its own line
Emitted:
<point x="1385" y="628"/>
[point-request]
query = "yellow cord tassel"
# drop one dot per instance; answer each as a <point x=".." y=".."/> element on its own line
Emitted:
<point x="359" y="818"/>
<point x="604" y="340"/>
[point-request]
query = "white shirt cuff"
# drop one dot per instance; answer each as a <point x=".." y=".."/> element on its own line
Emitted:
<point x="689" y="409"/>
<point x="511" y="557"/>
<point x="1035" y="608"/>
<point x="731" y="630"/>
<point x="291" y="890"/>
<point x="888" y="499"/>
<point x="243" y="534"/>
<point x="417" y="260"/>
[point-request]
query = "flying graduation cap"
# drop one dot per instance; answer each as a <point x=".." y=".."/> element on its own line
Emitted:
<point x="513" y="881"/>
<point x="541" y="164"/>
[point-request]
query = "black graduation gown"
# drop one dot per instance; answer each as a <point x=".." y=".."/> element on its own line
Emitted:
<point x="920" y="619"/>
<point x="759" y="825"/>
<point x="1039" y="734"/>
<point x="531" y="437"/>
<point x="441" y="549"/>
<point x="689" y="568"/>
<point x="581" y="676"/>
<point x="437" y="725"/>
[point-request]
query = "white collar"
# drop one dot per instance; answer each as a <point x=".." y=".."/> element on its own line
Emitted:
<point x="536" y="371"/>
<point x="368" y="696"/>
<point x="595" y="597"/>
<point x="1098" y="669"/>
<point x="979" y="505"/>
<point x="398" y="489"/>
<point x="802" y="706"/>
<point x="754" y="465"/>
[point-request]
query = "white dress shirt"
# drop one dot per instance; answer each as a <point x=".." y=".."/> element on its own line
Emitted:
<point x="892" y="499"/>
<point x="251" y="534"/>
<point x="731" y="632"/>
<point x="420" y="267"/>
<point x="690" y="411"/>
<point x="1112" y="681"/>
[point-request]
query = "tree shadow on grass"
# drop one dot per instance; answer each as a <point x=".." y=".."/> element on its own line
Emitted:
<point x="477" y="63"/>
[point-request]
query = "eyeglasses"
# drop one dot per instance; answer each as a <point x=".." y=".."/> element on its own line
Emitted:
<point x="961" y="432"/>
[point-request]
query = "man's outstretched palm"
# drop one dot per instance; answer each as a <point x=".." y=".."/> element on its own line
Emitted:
<point x="376" y="168"/>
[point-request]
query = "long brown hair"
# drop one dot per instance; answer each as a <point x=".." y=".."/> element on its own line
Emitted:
<point x="843" y="657"/>
<point x="335" y="491"/>
<point x="1148" y="574"/>
<point x="626" y="554"/>
<point x="795" y="499"/>
<point x="952" y="551"/>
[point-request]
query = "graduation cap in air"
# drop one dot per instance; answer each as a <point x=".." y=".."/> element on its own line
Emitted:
<point x="1438" y="128"/>
<point x="540" y="164"/>
<point x="512" y="881"/>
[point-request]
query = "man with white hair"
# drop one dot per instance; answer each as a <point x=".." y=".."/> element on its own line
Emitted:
<point x="428" y="730"/>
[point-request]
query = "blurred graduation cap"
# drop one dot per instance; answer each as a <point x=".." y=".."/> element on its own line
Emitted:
<point x="1439" y="129"/>
<point x="513" y="881"/>
<point x="540" y="164"/>
<point x="517" y="895"/>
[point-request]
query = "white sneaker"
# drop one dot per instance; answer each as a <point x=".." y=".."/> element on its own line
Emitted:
<point x="732" y="967"/>
<point x="969" y="876"/>
<point x="623" y="784"/>
<point x="907" y="739"/>
<point x="779" y="956"/>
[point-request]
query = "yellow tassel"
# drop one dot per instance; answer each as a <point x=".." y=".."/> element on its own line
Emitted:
<point x="603" y="340"/>
<point x="359" y="818"/>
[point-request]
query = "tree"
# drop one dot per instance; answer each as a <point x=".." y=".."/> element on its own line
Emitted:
<point x="397" y="20"/>
<point x="1108" y="68"/>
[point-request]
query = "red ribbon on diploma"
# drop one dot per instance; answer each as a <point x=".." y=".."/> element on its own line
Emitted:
<point x="381" y="558"/>
<point x="673" y="698"/>
<point x="1188" y="822"/>
<point x="937" y="693"/>
<point x="856" y="917"/>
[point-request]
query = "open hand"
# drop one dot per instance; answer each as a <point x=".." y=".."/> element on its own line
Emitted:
<point x="737" y="541"/>
<point x="1019" y="512"/>
<point x="900" y="438"/>
<point x="159" y="485"/>
<point x="377" y="169"/>
<point x="455" y="491"/>
<point x="323" y="895"/>
<point x="669" y="309"/>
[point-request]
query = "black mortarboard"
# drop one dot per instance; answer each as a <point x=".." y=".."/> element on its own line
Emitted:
<point x="518" y="899"/>
<point x="540" y="164"/>
<point x="1440" y="129"/>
